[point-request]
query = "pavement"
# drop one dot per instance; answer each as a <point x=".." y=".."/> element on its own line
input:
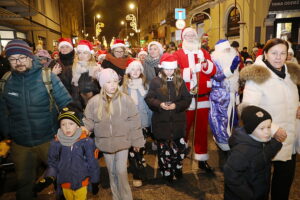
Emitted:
<point x="195" y="184"/>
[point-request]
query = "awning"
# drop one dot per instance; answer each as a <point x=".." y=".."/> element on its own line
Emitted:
<point x="284" y="5"/>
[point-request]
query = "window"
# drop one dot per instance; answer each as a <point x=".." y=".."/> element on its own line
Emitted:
<point x="233" y="27"/>
<point x="21" y="35"/>
<point x="7" y="34"/>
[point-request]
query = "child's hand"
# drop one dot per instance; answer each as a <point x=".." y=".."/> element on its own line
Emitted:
<point x="280" y="135"/>
<point x="164" y="106"/>
<point x="172" y="106"/>
<point x="56" y="69"/>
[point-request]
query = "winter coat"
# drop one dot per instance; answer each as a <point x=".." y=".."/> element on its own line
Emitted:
<point x="25" y="107"/>
<point x="247" y="170"/>
<point x="278" y="96"/>
<point x="73" y="164"/>
<point x="168" y="124"/>
<point x="117" y="132"/>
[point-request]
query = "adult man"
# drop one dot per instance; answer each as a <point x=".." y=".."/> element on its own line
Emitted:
<point x="27" y="117"/>
<point x="197" y="70"/>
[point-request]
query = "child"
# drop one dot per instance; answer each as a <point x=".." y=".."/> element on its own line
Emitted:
<point x="71" y="157"/>
<point x="135" y="86"/>
<point x="168" y="98"/>
<point x="248" y="168"/>
<point x="114" y="118"/>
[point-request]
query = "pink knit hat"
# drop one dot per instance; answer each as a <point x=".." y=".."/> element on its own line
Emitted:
<point x="106" y="75"/>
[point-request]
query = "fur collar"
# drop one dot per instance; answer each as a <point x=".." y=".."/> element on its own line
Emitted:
<point x="260" y="74"/>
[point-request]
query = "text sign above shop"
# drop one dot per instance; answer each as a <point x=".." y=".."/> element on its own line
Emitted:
<point x="283" y="5"/>
<point x="180" y="13"/>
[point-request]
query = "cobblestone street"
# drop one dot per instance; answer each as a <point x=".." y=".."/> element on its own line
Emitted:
<point x="195" y="184"/>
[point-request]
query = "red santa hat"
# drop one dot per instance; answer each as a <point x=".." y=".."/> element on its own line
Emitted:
<point x="65" y="41"/>
<point x="168" y="61"/>
<point x="131" y="63"/>
<point x="222" y="45"/>
<point x="161" y="49"/>
<point x="118" y="43"/>
<point x="187" y="30"/>
<point x="142" y="53"/>
<point x="205" y="36"/>
<point x="85" y="45"/>
<point x="101" y="54"/>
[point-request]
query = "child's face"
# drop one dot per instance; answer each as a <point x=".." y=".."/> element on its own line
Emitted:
<point x="169" y="72"/>
<point x="135" y="72"/>
<point x="111" y="86"/>
<point x="84" y="55"/>
<point x="263" y="131"/>
<point x="68" y="127"/>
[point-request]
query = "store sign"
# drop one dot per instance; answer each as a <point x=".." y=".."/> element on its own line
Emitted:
<point x="284" y="5"/>
<point x="200" y="17"/>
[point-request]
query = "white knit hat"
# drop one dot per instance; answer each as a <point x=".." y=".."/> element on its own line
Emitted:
<point x="106" y="75"/>
<point x="161" y="50"/>
<point x="133" y="64"/>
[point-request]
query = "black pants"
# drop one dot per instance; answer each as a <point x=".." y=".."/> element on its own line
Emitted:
<point x="282" y="178"/>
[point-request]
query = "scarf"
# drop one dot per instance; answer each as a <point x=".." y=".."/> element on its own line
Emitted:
<point x="67" y="59"/>
<point x="82" y="68"/>
<point x="118" y="62"/>
<point x="152" y="63"/>
<point x="280" y="73"/>
<point x="68" y="140"/>
<point x="136" y="85"/>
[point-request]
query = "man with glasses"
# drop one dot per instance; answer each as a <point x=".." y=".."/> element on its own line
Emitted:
<point x="26" y="116"/>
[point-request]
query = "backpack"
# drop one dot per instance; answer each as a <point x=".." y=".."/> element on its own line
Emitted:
<point x="46" y="76"/>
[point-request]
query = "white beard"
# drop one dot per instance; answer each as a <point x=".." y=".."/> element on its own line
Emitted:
<point x="191" y="46"/>
<point x="224" y="59"/>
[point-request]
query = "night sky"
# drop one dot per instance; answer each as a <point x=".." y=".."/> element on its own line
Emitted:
<point x="112" y="12"/>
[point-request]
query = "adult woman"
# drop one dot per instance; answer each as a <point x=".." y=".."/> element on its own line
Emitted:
<point x="152" y="60"/>
<point x="117" y="59"/>
<point x="269" y="86"/>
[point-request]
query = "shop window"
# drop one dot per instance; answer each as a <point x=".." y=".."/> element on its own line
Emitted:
<point x="21" y="35"/>
<point x="283" y="30"/>
<point x="233" y="26"/>
<point x="7" y="34"/>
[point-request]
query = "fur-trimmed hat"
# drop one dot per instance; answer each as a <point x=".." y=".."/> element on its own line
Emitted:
<point x="118" y="43"/>
<point x="85" y="45"/>
<point x="133" y="63"/>
<point x="168" y="61"/>
<point x="65" y="41"/>
<point x="252" y="116"/>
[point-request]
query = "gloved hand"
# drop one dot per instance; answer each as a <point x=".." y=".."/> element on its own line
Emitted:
<point x="95" y="188"/>
<point x="235" y="63"/>
<point x="43" y="183"/>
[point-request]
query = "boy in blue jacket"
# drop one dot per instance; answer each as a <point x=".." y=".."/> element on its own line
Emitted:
<point x="71" y="158"/>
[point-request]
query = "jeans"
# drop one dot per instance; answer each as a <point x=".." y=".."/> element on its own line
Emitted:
<point x="117" y="169"/>
<point x="26" y="161"/>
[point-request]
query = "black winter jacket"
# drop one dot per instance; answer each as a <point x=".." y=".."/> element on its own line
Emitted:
<point x="248" y="168"/>
<point x="168" y="124"/>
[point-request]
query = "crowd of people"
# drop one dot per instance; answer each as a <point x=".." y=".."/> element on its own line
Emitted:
<point x="67" y="108"/>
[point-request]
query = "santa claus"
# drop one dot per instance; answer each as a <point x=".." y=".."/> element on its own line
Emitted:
<point x="197" y="69"/>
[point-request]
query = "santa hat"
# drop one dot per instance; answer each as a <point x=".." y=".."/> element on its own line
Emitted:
<point x="133" y="63"/>
<point x="161" y="50"/>
<point x="101" y="54"/>
<point x="168" y="61"/>
<point x="222" y="45"/>
<point x="249" y="60"/>
<point x="142" y="53"/>
<point x="85" y="45"/>
<point x="205" y="36"/>
<point x="54" y="53"/>
<point x="186" y="30"/>
<point x="290" y="50"/>
<point x="118" y="43"/>
<point x="65" y="41"/>
<point x="106" y="75"/>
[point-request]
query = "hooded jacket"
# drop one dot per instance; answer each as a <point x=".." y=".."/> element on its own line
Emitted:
<point x="247" y="171"/>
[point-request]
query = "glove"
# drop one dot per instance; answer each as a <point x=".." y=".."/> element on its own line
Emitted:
<point x="95" y="188"/>
<point x="43" y="183"/>
<point x="235" y="63"/>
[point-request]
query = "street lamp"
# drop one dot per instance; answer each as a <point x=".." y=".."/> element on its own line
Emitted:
<point x="98" y="16"/>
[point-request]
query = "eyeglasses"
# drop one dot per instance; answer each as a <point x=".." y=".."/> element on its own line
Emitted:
<point x="21" y="59"/>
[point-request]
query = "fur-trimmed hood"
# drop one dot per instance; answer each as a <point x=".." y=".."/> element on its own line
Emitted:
<point x="260" y="74"/>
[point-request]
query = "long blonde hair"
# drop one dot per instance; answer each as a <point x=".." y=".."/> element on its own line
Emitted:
<point x="106" y="102"/>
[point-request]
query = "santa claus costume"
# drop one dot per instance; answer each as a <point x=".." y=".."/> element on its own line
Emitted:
<point x="197" y="69"/>
<point x="224" y="93"/>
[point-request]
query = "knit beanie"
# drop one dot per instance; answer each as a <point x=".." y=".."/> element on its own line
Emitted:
<point x="106" y="75"/>
<point x="252" y="116"/>
<point x="18" y="47"/>
<point x="70" y="113"/>
<point x="43" y="53"/>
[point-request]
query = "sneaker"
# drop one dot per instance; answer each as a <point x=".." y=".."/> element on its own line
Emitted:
<point x="137" y="183"/>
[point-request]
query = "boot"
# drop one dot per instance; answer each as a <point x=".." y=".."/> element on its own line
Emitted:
<point x="205" y="166"/>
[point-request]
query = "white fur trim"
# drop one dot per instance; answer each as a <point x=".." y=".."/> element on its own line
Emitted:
<point x="200" y="104"/>
<point x="201" y="157"/>
<point x="169" y="65"/>
<point x="188" y="29"/>
<point x="84" y="48"/>
<point x="222" y="46"/>
<point x="133" y="64"/>
<point x="142" y="53"/>
<point x="208" y="84"/>
<point x="227" y="72"/>
<point x="197" y="67"/>
<point x="200" y="55"/>
<point x="65" y="43"/>
<point x="186" y="75"/>
<point x="161" y="50"/>
<point x="117" y="45"/>
<point x="210" y="67"/>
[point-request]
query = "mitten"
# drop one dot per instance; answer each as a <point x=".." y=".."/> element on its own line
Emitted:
<point x="235" y="63"/>
<point x="43" y="183"/>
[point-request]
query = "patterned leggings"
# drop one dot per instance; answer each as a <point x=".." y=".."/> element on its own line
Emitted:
<point x="170" y="156"/>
